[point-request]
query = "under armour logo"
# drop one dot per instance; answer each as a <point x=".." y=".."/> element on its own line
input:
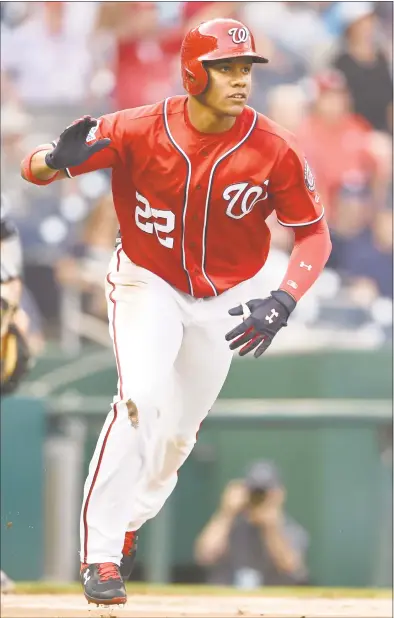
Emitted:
<point x="271" y="318"/>
<point x="86" y="576"/>
<point x="307" y="266"/>
<point x="239" y="35"/>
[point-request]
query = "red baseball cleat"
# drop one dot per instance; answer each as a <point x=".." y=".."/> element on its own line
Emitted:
<point x="129" y="553"/>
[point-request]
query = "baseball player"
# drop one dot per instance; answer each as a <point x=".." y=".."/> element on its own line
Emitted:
<point x="194" y="179"/>
<point x="15" y="353"/>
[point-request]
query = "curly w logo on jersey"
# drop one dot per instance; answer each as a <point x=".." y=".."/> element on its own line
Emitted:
<point x="243" y="199"/>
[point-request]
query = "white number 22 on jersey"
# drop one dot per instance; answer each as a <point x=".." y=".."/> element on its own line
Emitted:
<point x="144" y="212"/>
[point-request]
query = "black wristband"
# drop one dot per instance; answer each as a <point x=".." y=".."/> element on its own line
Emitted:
<point x="284" y="299"/>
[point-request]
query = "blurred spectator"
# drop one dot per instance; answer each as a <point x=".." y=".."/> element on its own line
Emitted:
<point x="145" y="46"/>
<point x="195" y="12"/>
<point x="296" y="27"/>
<point x="287" y="106"/>
<point x="34" y="326"/>
<point x="17" y="127"/>
<point x="250" y="541"/>
<point x="385" y="13"/>
<point x="298" y="34"/>
<point x="15" y="123"/>
<point x="284" y="67"/>
<point x="337" y="142"/>
<point x="362" y="247"/>
<point x="87" y="264"/>
<point x="365" y="64"/>
<point x="46" y="52"/>
<point x="148" y="37"/>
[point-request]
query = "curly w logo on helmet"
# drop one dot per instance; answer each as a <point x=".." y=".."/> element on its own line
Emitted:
<point x="239" y="35"/>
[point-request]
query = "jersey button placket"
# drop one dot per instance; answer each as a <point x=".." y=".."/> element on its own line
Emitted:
<point x="195" y="216"/>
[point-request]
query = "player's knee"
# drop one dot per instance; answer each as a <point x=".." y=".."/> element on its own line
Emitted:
<point x="168" y="455"/>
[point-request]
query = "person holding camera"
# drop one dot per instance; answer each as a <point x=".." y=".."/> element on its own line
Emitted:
<point x="250" y="541"/>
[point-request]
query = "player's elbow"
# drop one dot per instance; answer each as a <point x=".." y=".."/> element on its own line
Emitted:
<point x="318" y="236"/>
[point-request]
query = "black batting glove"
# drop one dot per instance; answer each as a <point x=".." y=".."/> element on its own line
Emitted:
<point x="267" y="317"/>
<point x="72" y="148"/>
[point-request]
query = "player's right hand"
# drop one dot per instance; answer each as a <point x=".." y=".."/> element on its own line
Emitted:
<point x="265" y="317"/>
<point x="72" y="148"/>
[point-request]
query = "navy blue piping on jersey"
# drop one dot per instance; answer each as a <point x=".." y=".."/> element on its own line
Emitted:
<point x="186" y="192"/>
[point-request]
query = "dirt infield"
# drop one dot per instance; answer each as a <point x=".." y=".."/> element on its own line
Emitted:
<point x="175" y="606"/>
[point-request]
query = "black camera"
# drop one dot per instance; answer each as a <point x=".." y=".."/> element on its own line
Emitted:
<point x="257" y="496"/>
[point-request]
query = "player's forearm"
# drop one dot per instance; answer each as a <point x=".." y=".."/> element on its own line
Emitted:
<point x="310" y="253"/>
<point x="39" y="168"/>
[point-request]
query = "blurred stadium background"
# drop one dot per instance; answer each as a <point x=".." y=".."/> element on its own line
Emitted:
<point x="328" y="426"/>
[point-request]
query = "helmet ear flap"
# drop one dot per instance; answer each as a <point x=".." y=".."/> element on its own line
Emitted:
<point x="195" y="78"/>
<point x="189" y="80"/>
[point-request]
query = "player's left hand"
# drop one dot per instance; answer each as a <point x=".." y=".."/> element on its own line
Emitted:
<point x="72" y="148"/>
<point x="263" y="318"/>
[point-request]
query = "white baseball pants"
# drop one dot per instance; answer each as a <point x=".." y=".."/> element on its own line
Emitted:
<point x="172" y="360"/>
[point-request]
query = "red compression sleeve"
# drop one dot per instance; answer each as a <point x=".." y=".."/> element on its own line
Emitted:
<point x="311" y="251"/>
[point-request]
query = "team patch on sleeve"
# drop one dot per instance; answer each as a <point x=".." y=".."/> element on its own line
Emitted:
<point x="309" y="177"/>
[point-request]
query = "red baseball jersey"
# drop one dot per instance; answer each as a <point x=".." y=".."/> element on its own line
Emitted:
<point x="192" y="206"/>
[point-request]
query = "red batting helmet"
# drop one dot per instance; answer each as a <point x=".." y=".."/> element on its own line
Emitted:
<point x="216" y="39"/>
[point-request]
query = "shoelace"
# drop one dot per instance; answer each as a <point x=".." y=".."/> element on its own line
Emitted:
<point x="108" y="570"/>
<point x="129" y="543"/>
